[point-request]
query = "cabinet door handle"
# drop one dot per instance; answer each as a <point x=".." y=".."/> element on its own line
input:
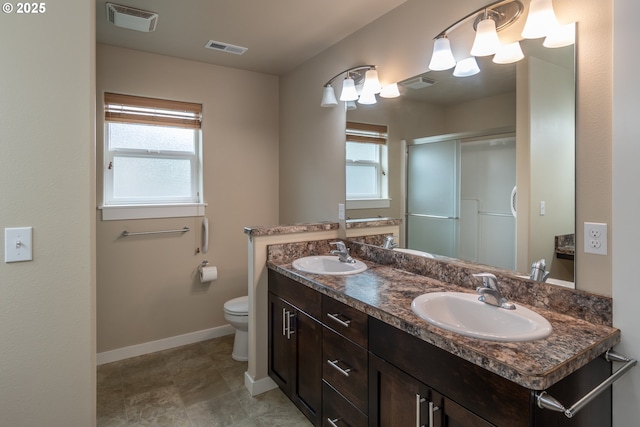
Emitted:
<point x="335" y="317"/>
<point x="290" y="330"/>
<point x="334" y="363"/>
<point x="284" y="322"/>
<point x="332" y="422"/>
<point x="419" y="401"/>
<point x="432" y="409"/>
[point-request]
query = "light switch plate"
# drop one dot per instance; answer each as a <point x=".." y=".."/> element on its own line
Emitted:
<point x="18" y="244"/>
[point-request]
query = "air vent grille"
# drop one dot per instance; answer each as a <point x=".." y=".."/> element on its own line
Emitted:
<point x="225" y="47"/>
<point x="418" y="83"/>
<point x="131" y="18"/>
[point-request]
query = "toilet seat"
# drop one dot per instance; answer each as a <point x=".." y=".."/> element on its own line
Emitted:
<point x="237" y="306"/>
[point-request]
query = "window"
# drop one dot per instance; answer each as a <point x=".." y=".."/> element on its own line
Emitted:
<point x="366" y="160"/>
<point x="152" y="158"/>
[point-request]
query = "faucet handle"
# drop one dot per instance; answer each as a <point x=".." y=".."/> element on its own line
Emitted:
<point x="340" y="246"/>
<point x="488" y="280"/>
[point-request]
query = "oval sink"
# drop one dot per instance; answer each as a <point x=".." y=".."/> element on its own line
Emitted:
<point x="463" y="313"/>
<point x="414" y="252"/>
<point x="328" y="264"/>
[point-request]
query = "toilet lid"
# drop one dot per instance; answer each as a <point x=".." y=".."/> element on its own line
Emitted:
<point x="238" y="305"/>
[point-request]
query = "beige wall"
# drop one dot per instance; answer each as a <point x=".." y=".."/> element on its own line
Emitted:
<point x="400" y="45"/>
<point x="47" y="306"/>
<point x="147" y="287"/>
<point x="626" y="233"/>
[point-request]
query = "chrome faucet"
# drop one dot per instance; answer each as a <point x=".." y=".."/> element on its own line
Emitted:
<point x="538" y="271"/>
<point x="490" y="293"/>
<point x="389" y="243"/>
<point x="343" y="252"/>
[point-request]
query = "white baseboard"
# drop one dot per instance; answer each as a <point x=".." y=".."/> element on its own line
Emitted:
<point x="163" y="344"/>
<point x="257" y="387"/>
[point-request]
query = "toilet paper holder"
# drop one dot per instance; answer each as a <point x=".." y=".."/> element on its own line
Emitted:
<point x="202" y="265"/>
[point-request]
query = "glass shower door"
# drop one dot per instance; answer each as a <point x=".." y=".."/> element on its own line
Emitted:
<point x="432" y="197"/>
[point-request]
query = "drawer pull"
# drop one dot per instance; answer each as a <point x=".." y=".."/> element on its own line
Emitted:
<point x="432" y="409"/>
<point x="335" y="317"/>
<point x="290" y="330"/>
<point x="334" y="363"/>
<point x="332" y="422"/>
<point x="419" y="401"/>
<point x="284" y="322"/>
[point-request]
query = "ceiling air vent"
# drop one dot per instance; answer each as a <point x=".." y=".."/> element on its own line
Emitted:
<point x="225" y="47"/>
<point x="130" y="18"/>
<point x="418" y="83"/>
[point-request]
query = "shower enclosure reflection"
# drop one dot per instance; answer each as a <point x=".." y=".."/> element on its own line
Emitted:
<point x="519" y="132"/>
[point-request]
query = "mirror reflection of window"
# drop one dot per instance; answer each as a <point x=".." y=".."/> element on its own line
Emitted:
<point x="366" y="165"/>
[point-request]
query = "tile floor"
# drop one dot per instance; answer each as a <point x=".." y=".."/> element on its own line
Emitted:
<point x="190" y="386"/>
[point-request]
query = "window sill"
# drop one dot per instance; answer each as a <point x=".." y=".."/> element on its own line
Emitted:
<point x="121" y="212"/>
<point x="368" y="203"/>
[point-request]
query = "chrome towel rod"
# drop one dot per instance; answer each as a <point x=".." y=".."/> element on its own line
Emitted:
<point x="126" y="233"/>
<point x="546" y="401"/>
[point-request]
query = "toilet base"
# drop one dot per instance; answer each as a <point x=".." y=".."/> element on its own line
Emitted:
<point x="240" y="346"/>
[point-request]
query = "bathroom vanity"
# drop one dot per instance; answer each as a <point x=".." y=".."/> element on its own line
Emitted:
<point x="348" y="350"/>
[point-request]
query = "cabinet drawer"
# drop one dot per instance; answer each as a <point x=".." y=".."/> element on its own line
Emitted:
<point x="345" y="320"/>
<point x="337" y="411"/>
<point x="345" y="367"/>
<point x="296" y="294"/>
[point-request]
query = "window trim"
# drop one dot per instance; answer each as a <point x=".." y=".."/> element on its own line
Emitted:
<point x="136" y="110"/>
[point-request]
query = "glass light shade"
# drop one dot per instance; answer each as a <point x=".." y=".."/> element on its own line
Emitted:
<point x="390" y="91"/>
<point x="467" y="67"/>
<point x="541" y="19"/>
<point x="442" y="58"/>
<point x="367" y="98"/>
<point x="486" y="41"/>
<point x="348" y="90"/>
<point x="350" y="105"/>
<point x="561" y="36"/>
<point x="371" y="82"/>
<point x="328" y="97"/>
<point x="508" y="54"/>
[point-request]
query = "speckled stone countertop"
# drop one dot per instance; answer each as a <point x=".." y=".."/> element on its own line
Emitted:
<point x="372" y="222"/>
<point x="385" y="292"/>
<point x="269" y="230"/>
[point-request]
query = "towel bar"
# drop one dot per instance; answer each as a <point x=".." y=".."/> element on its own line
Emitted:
<point x="126" y="233"/>
<point x="546" y="401"/>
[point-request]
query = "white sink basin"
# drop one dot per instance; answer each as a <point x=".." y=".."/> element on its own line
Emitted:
<point x="414" y="252"/>
<point x="464" y="314"/>
<point x="328" y="264"/>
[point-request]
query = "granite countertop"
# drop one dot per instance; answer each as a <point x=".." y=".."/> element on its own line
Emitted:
<point x="386" y="293"/>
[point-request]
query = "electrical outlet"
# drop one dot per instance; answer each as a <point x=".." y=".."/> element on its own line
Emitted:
<point x="595" y="238"/>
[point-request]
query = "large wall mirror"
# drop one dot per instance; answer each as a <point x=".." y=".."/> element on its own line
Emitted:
<point x="482" y="168"/>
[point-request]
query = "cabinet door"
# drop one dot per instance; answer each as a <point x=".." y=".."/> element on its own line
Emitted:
<point x="450" y="414"/>
<point x="307" y="385"/>
<point x="395" y="398"/>
<point x="281" y="352"/>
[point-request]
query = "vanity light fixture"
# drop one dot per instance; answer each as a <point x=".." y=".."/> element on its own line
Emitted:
<point x="489" y="20"/>
<point x="486" y="42"/>
<point x="561" y="36"/>
<point x="467" y="67"/>
<point x="540" y="21"/>
<point x="390" y="91"/>
<point x="364" y="77"/>
<point x="442" y="58"/>
<point x="508" y="53"/>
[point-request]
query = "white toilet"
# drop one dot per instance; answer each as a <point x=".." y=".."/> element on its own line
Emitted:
<point x="236" y="312"/>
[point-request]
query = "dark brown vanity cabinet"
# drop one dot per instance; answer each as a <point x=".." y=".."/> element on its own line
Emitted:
<point x="345" y="369"/>
<point x="398" y="399"/>
<point x="295" y="344"/>
<point x="405" y="370"/>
